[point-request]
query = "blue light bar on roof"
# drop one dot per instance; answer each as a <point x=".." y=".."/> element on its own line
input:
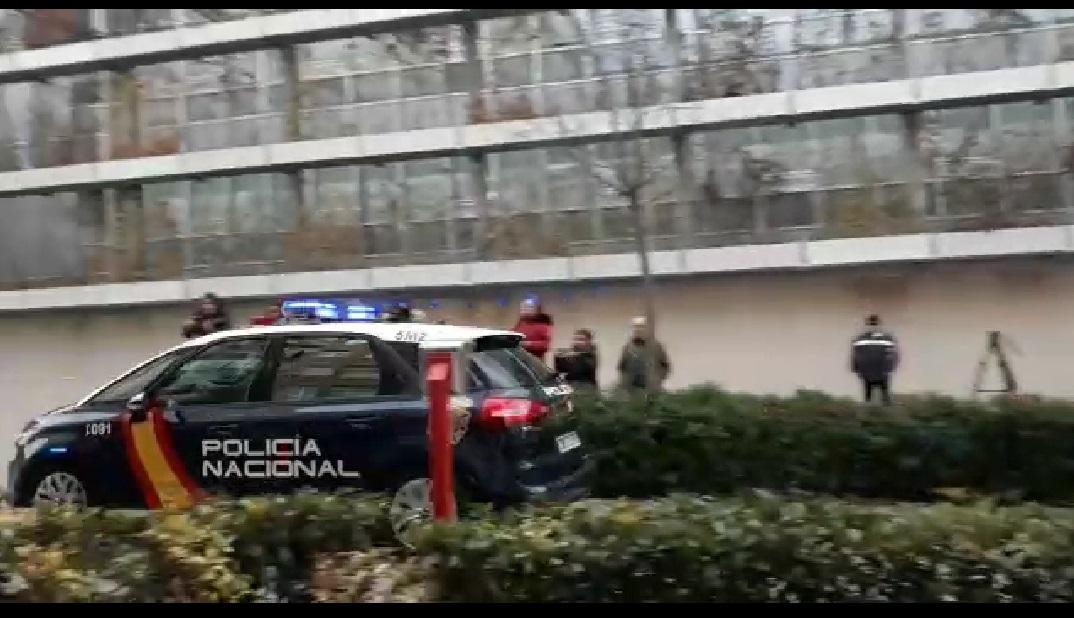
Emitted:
<point x="357" y="312"/>
<point x="335" y="311"/>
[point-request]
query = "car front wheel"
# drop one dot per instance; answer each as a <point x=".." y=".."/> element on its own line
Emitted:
<point x="60" y="488"/>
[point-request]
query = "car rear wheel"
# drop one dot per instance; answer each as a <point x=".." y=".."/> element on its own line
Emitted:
<point x="411" y="507"/>
<point x="60" y="488"/>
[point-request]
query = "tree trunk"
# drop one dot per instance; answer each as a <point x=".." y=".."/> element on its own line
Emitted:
<point x="648" y="290"/>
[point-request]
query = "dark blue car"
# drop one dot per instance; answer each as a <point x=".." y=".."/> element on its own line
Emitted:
<point x="283" y="408"/>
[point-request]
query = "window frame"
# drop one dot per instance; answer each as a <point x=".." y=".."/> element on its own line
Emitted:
<point x="266" y="364"/>
<point x="381" y="351"/>
<point x="179" y="355"/>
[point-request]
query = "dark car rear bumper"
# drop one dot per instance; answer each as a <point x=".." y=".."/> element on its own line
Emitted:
<point x="574" y="486"/>
<point x="12" y="478"/>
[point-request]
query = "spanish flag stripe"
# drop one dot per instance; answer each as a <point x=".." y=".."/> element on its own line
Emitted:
<point x="167" y="447"/>
<point x="152" y="501"/>
<point x="166" y="484"/>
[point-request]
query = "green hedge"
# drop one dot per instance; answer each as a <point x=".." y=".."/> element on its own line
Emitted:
<point x="749" y="548"/>
<point x="711" y="442"/>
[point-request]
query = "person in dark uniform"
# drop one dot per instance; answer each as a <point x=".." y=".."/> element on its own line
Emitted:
<point x="578" y="364"/>
<point x="874" y="357"/>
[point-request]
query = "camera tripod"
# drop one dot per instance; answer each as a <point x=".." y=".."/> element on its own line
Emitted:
<point x="994" y="348"/>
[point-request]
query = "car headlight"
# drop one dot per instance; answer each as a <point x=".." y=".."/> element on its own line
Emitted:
<point x="27" y="432"/>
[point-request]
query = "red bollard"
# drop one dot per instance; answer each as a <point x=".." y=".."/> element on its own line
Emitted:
<point x="441" y="454"/>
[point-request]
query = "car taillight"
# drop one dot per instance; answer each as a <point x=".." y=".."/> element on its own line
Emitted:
<point x="499" y="413"/>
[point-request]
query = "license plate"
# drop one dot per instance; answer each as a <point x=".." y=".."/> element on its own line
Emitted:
<point x="568" y="442"/>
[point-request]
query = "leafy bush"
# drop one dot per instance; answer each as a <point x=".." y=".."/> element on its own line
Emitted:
<point x="257" y="548"/>
<point x="704" y="440"/>
<point x="755" y="549"/>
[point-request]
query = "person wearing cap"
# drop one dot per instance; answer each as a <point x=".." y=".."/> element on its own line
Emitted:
<point x="642" y="361"/>
<point x="874" y="357"/>
<point x="535" y="326"/>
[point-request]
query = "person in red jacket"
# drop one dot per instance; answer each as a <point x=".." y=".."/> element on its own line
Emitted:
<point x="536" y="327"/>
<point x="271" y="317"/>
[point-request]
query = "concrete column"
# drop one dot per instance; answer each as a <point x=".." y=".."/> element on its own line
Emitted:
<point x="293" y="129"/>
<point x="477" y="163"/>
<point x="1065" y="147"/>
<point x="673" y="37"/>
<point x="475" y="72"/>
<point x="686" y="194"/>
<point x="478" y="170"/>
<point x="402" y="212"/>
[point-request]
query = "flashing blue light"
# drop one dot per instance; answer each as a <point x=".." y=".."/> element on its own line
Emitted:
<point x="58" y="450"/>
<point x="362" y="313"/>
<point x="333" y="311"/>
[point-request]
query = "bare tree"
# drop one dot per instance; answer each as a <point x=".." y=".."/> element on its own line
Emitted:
<point x="630" y="166"/>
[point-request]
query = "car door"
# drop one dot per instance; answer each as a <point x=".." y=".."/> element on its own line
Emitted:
<point x="224" y="432"/>
<point x="103" y="453"/>
<point x="345" y="391"/>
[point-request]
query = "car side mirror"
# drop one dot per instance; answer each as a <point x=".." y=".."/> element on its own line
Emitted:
<point x="137" y="408"/>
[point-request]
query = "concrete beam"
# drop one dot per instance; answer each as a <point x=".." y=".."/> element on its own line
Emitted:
<point x="911" y="248"/>
<point x="1025" y="83"/>
<point x="240" y="35"/>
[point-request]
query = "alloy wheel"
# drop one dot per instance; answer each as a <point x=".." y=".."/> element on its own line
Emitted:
<point x="61" y="488"/>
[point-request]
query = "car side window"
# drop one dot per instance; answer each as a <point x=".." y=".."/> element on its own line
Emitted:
<point x="334" y="368"/>
<point x="226" y="372"/>
<point x="407" y="351"/>
<point x="136" y="381"/>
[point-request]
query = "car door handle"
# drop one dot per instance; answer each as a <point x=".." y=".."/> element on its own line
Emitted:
<point x="361" y="421"/>
<point x="223" y="430"/>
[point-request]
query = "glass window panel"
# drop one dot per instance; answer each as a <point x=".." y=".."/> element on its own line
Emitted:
<point x="512" y="71"/>
<point x="562" y="65"/>
<point x="376" y="118"/>
<point x="517" y="183"/>
<point x="578" y="224"/>
<point x="968" y="196"/>
<point x="423" y="81"/>
<point x="789" y="210"/>
<point x="376" y="86"/>
<point x="381" y="192"/>
<point x="208" y="106"/>
<point x="209" y="205"/>
<point x="429" y="236"/>
<point x="1026" y="138"/>
<point x="1035" y="192"/>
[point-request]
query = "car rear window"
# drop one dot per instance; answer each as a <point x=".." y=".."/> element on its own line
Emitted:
<point x="508" y="367"/>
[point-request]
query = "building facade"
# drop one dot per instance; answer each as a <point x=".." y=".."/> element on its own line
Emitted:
<point x="481" y="139"/>
<point x="465" y="156"/>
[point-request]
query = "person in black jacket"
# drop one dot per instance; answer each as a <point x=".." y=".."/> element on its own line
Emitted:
<point x="874" y="357"/>
<point x="400" y="313"/>
<point x="578" y="364"/>
<point x="209" y="316"/>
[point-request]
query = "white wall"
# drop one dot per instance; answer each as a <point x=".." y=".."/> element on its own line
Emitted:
<point x="756" y="332"/>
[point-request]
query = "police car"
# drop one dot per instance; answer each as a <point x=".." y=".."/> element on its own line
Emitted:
<point x="327" y="406"/>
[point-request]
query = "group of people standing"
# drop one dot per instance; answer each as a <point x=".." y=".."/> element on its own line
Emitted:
<point x="643" y="364"/>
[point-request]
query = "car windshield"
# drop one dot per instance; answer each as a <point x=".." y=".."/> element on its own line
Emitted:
<point x="508" y="367"/>
<point x="137" y="380"/>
